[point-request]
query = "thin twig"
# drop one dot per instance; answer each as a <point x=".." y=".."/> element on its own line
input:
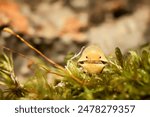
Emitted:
<point x="40" y="53"/>
<point x="33" y="48"/>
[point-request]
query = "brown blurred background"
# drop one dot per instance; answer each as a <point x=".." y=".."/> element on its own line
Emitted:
<point x="57" y="27"/>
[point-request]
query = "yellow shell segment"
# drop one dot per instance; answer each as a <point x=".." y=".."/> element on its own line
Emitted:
<point x="89" y="54"/>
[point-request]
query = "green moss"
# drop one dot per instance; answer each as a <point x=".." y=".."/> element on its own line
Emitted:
<point x="124" y="77"/>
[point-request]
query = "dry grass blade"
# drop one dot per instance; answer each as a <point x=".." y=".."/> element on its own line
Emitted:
<point x="33" y="48"/>
<point x="45" y="57"/>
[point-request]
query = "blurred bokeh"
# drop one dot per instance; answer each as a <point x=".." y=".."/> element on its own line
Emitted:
<point x="57" y="27"/>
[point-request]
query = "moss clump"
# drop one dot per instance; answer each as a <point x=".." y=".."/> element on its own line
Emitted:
<point x="124" y="77"/>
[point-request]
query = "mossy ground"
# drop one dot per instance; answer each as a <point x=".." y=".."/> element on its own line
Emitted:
<point x="124" y="77"/>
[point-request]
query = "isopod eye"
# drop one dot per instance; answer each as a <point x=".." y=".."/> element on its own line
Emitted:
<point x="87" y="57"/>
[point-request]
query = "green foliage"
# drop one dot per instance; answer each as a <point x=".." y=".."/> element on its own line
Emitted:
<point x="124" y="77"/>
<point x="10" y="87"/>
